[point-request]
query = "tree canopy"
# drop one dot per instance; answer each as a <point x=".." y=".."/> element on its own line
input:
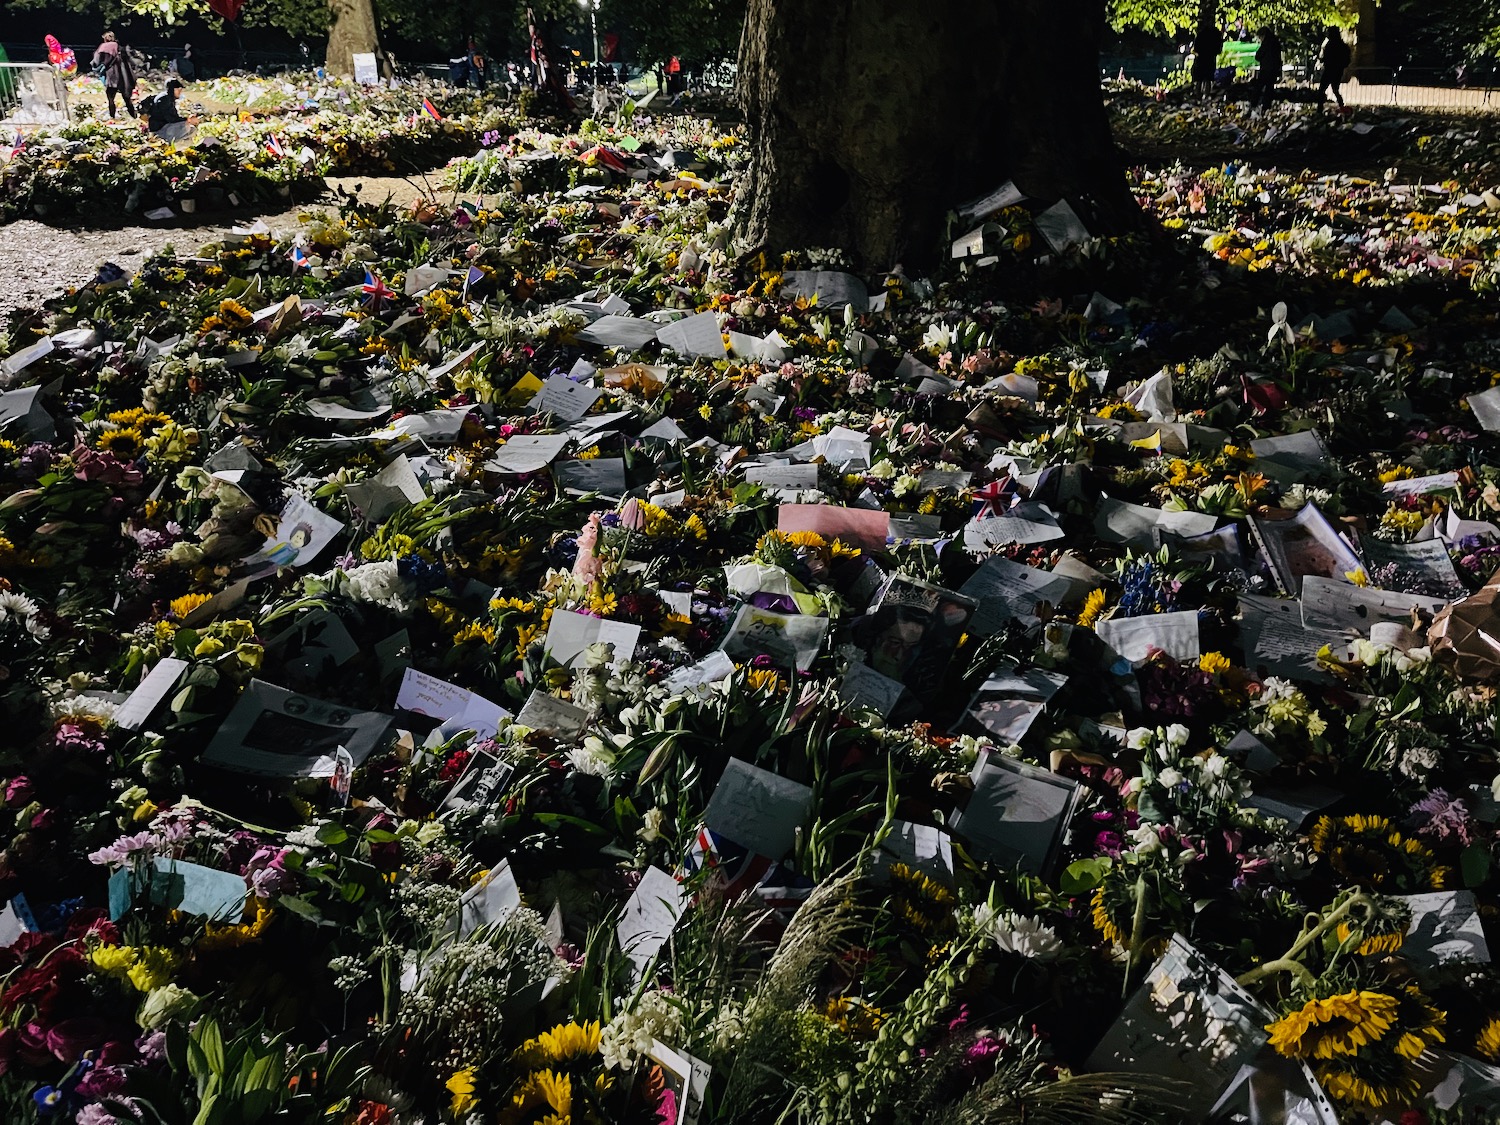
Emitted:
<point x="1170" y="17"/>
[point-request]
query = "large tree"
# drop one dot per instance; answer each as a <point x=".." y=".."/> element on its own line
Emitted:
<point x="870" y="119"/>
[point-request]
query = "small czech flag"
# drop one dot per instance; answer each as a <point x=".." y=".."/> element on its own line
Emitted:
<point x="431" y="110"/>
<point x="299" y="258"/>
<point x="273" y="146"/>
<point x="375" y="290"/>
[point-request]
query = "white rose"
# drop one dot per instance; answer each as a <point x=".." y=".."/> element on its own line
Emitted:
<point x="1177" y="735"/>
<point x="1138" y="738"/>
<point x="1170" y="778"/>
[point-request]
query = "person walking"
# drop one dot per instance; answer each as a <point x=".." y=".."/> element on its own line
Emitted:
<point x="112" y="66"/>
<point x="1333" y="61"/>
<point x="1268" y="67"/>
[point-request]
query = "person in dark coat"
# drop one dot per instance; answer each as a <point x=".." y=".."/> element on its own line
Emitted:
<point x="1333" y="62"/>
<point x="1268" y="66"/>
<point x="112" y="64"/>
<point x="163" y="118"/>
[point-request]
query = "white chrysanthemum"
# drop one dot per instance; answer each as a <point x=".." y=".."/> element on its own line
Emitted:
<point x="593" y="758"/>
<point x="1027" y="936"/>
<point x="381" y="584"/>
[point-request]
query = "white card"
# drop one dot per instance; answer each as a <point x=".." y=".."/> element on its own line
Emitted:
<point x="758" y="809"/>
<point x="153" y="688"/>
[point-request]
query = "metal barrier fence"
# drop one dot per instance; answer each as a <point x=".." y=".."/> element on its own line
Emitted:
<point x="31" y="94"/>
<point x="1459" y="88"/>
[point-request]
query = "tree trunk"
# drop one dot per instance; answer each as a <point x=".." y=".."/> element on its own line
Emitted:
<point x="871" y="120"/>
<point x="1364" y="35"/>
<point x="351" y="31"/>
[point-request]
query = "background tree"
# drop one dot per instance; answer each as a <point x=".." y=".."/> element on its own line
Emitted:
<point x="695" y="30"/>
<point x="1203" y="17"/>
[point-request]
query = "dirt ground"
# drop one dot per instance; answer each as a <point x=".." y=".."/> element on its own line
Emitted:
<point x="38" y="261"/>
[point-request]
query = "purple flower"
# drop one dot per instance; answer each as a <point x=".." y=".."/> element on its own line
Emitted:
<point x="1443" y="818"/>
<point x="74" y="736"/>
<point x="153" y="1047"/>
<point x="266" y="872"/>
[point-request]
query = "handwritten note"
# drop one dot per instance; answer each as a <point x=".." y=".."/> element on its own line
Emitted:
<point x="758" y="809"/>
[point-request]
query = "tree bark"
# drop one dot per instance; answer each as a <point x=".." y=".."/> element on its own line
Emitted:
<point x="1364" y="35"/>
<point x="352" y="30"/>
<point x="871" y="120"/>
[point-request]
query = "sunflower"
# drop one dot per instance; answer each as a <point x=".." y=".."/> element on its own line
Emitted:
<point x="1106" y="921"/>
<point x="125" y="444"/>
<point x="1093" y="606"/>
<point x="184" y="605"/>
<point x="1487" y="1042"/>
<point x="541" y="1090"/>
<point x="234" y="315"/>
<point x="1334" y="1026"/>
<point x="1370" y="852"/>
<point x="461" y="1086"/>
<point x="565" y="1044"/>
<point x="475" y="631"/>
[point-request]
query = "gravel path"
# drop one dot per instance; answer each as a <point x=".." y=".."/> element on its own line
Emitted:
<point x="38" y="261"/>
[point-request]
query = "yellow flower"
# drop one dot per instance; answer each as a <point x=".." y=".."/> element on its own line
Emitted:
<point x="475" y="631"/>
<point x="543" y="1089"/>
<point x="1337" y="1025"/>
<point x="705" y="412"/>
<point x="125" y="444"/>
<point x="116" y="960"/>
<point x="763" y="679"/>
<point x="461" y="1086"/>
<point x="1102" y="920"/>
<point x="1093" y="606"/>
<point x="1487" y="1042"/>
<point x="181" y="607"/>
<point x="152" y="969"/>
<point x="209" y="646"/>
<point x="565" y="1043"/>
<point x="1213" y="663"/>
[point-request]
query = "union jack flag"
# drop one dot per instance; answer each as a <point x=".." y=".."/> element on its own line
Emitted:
<point x="273" y="146"/>
<point x="299" y="258"/>
<point x="993" y="498"/>
<point x="376" y="291"/>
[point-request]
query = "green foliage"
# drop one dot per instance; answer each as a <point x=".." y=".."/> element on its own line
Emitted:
<point x="697" y="30"/>
<point x="1169" y="17"/>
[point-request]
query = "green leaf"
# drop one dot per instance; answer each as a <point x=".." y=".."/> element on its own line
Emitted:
<point x="301" y="907"/>
<point x="1474" y="863"/>
<point x="206" y="1110"/>
<point x="1083" y="875"/>
<point x="332" y="834"/>
<point x="211" y="1041"/>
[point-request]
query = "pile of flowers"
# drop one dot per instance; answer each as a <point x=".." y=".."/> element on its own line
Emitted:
<point x="435" y="696"/>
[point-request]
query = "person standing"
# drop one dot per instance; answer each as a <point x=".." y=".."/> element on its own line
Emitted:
<point x="112" y="65"/>
<point x="1268" y="67"/>
<point x="1333" y="62"/>
<point x="187" y="70"/>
